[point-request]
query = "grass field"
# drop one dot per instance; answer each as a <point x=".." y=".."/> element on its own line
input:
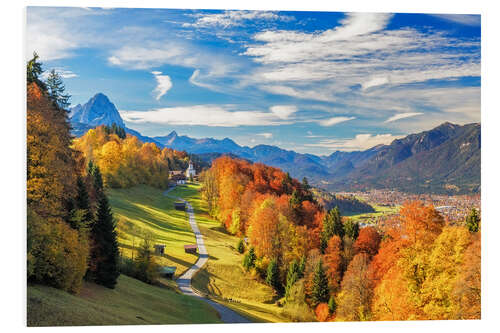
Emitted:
<point x="223" y="278"/>
<point x="145" y="209"/>
<point x="131" y="303"/>
<point x="369" y="217"/>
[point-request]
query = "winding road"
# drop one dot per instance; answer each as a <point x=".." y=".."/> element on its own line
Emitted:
<point x="184" y="281"/>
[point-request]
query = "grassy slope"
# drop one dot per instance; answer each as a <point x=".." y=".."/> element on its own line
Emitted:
<point x="223" y="278"/>
<point x="148" y="209"/>
<point x="131" y="303"/>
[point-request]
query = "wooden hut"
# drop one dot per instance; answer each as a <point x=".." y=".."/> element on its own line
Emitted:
<point x="159" y="249"/>
<point x="190" y="248"/>
<point x="180" y="205"/>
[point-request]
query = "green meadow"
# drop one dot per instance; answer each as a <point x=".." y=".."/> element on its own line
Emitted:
<point x="143" y="209"/>
<point x="132" y="302"/>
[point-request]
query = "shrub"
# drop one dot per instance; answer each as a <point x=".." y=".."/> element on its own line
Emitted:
<point x="322" y="312"/>
<point x="241" y="246"/>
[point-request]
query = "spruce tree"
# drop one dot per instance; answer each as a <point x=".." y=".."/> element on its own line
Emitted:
<point x="472" y="221"/>
<point x="332" y="225"/>
<point x="105" y="253"/>
<point x="291" y="277"/>
<point x="319" y="292"/>
<point x="34" y="70"/>
<point x="272" y="276"/>
<point x="351" y="229"/>
<point x="82" y="214"/>
<point x="56" y="90"/>
<point x="249" y="259"/>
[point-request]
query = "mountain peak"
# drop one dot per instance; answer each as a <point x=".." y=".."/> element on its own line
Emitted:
<point x="97" y="111"/>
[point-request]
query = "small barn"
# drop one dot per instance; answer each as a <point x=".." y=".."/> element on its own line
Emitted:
<point x="190" y="248"/>
<point x="179" y="205"/>
<point x="159" y="249"/>
<point x="167" y="271"/>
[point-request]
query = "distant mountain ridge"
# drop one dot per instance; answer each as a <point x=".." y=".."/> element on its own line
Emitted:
<point x="445" y="159"/>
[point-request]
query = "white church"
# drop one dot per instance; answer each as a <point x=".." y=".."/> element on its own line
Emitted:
<point x="190" y="171"/>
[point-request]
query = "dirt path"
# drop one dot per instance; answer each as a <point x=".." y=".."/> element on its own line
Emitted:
<point x="184" y="281"/>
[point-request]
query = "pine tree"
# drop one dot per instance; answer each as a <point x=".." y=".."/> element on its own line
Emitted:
<point x="34" y="69"/>
<point x="302" y="267"/>
<point x="272" y="277"/>
<point x="249" y="259"/>
<point x="319" y="292"/>
<point x="473" y="220"/>
<point x="332" y="225"/>
<point x="351" y="229"/>
<point x="56" y="90"/>
<point x="105" y="253"/>
<point x="82" y="214"/>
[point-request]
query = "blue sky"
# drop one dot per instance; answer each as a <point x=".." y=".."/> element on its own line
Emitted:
<point x="313" y="82"/>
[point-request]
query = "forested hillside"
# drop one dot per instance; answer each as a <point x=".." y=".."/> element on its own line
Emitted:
<point x="417" y="267"/>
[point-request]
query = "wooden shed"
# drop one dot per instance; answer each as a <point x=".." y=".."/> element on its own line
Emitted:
<point x="190" y="248"/>
<point x="180" y="205"/>
<point x="159" y="249"/>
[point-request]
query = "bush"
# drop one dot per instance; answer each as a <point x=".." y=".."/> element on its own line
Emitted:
<point x="322" y="312"/>
<point x="57" y="254"/>
<point x="241" y="246"/>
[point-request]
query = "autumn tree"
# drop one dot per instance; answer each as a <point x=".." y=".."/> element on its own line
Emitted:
<point x="473" y="220"/>
<point x="466" y="292"/>
<point x="355" y="298"/>
<point x="367" y="242"/>
<point x="333" y="262"/>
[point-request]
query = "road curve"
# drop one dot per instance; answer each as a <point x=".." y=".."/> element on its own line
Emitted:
<point x="184" y="281"/>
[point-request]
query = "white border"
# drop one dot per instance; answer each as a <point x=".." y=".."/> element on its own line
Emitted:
<point x="12" y="19"/>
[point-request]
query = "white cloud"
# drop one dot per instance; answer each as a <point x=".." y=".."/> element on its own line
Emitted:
<point x="283" y="111"/>
<point x="204" y="115"/>
<point x="334" y="121"/>
<point x="359" y="142"/>
<point x="163" y="84"/>
<point x="266" y="135"/>
<point x="465" y="19"/>
<point x="329" y="65"/>
<point x="232" y="18"/>
<point x="402" y="116"/>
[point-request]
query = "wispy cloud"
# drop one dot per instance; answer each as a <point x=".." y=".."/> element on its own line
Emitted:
<point x="231" y="18"/>
<point x="204" y="115"/>
<point x="402" y="116"/>
<point x="163" y="84"/>
<point x="334" y="121"/>
<point x="266" y="135"/>
<point x="283" y="111"/>
<point x="465" y="19"/>
<point x="359" y="142"/>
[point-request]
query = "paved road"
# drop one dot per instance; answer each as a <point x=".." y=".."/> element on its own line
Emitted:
<point x="184" y="281"/>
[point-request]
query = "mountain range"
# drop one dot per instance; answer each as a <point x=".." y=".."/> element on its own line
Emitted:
<point x="445" y="159"/>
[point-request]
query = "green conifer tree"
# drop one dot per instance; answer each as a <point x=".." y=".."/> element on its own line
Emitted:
<point x="105" y="253"/>
<point x="272" y="276"/>
<point x="320" y="292"/>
